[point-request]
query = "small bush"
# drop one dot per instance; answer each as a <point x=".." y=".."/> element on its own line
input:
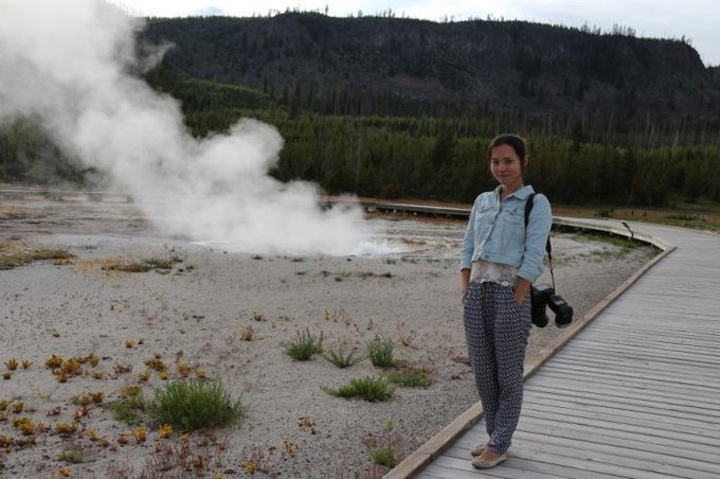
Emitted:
<point x="9" y="260"/>
<point x="52" y="254"/>
<point x="127" y="267"/>
<point x="368" y="388"/>
<point x="385" y="447"/>
<point x="162" y="263"/>
<point x="340" y="359"/>
<point x="304" y="346"/>
<point x="380" y="351"/>
<point x="192" y="405"/>
<point x="73" y="456"/>
<point x="383" y="456"/>
<point x="129" y="408"/>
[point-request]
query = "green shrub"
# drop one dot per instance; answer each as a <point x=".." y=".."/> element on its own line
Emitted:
<point x="304" y="346"/>
<point x="380" y="351"/>
<point x="162" y="263"/>
<point x="385" y="447"/>
<point x="51" y="254"/>
<point x="340" y="359"/>
<point x="10" y="260"/>
<point x="129" y="408"/>
<point x="368" y="388"/>
<point x="383" y="456"/>
<point x="132" y="267"/>
<point x="73" y="456"/>
<point x="193" y="404"/>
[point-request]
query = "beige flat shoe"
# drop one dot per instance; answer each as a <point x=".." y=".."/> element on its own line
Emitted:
<point x="481" y="463"/>
<point x="478" y="450"/>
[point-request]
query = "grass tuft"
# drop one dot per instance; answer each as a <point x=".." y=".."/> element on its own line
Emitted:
<point x="191" y="405"/>
<point x="339" y="358"/>
<point x="386" y="447"/>
<point x="304" y="346"/>
<point x="410" y="377"/>
<point x="369" y="388"/>
<point x="14" y="256"/>
<point x="125" y="266"/>
<point x="380" y="351"/>
<point x="129" y="408"/>
<point x="73" y="456"/>
<point x="162" y="263"/>
<point x="383" y="456"/>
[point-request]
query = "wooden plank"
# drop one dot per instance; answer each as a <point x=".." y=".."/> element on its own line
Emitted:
<point x="624" y="396"/>
<point x="631" y="357"/>
<point x="695" y="356"/>
<point x="632" y="438"/>
<point x="595" y="461"/>
<point x="584" y="409"/>
<point x="659" y="308"/>
<point x="638" y="326"/>
<point x="625" y="404"/>
<point x="616" y="456"/>
<point x="581" y="433"/>
<point x="687" y="382"/>
<point x="610" y="422"/>
<point x="587" y="461"/>
<point x="655" y="387"/>
<point x="695" y="352"/>
<point x="703" y="372"/>
<point x="634" y="317"/>
<point x="667" y="340"/>
<point x="667" y="336"/>
<point x="513" y="468"/>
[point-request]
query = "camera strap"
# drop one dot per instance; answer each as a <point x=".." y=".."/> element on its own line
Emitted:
<point x="529" y="203"/>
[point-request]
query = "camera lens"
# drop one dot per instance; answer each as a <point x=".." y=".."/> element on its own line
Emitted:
<point x="563" y="311"/>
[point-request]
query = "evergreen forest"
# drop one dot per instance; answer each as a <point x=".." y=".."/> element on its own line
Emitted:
<point x="389" y="146"/>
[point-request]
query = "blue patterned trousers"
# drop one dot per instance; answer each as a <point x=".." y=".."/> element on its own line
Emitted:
<point x="496" y="330"/>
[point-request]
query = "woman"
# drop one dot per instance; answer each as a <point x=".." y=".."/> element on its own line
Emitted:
<point x="500" y="259"/>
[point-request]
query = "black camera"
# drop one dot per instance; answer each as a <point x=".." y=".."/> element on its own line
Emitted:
<point x="543" y="295"/>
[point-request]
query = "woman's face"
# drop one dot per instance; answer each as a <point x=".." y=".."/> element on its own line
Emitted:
<point x="506" y="167"/>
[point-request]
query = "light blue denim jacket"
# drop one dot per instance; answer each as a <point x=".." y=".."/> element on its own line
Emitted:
<point x="496" y="232"/>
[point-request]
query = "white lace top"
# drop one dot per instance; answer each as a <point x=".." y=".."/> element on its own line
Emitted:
<point x="502" y="274"/>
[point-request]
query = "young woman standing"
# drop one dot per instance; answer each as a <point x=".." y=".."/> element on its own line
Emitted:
<point x="500" y="259"/>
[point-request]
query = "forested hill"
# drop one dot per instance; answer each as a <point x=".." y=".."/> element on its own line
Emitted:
<point x="395" y="107"/>
<point x="382" y="65"/>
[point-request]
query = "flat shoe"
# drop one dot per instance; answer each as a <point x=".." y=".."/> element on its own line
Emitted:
<point x="478" y="450"/>
<point x="480" y="463"/>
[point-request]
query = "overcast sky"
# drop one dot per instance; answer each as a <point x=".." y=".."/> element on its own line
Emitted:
<point x="696" y="20"/>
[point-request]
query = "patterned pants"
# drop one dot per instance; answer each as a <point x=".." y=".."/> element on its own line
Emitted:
<point x="496" y="330"/>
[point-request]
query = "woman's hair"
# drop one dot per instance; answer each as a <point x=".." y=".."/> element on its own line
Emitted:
<point x="513" y="141"/>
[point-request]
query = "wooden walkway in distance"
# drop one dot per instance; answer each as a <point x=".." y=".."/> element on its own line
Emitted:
<point x="634" y="394"/>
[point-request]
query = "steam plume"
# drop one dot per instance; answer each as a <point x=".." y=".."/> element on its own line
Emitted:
<point x="67" y="62"/>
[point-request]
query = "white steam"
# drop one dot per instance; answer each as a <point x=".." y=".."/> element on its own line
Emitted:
<point x="66" y="62"/>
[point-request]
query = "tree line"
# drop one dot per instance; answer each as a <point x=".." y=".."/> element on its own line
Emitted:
<point x="419" y="156"/>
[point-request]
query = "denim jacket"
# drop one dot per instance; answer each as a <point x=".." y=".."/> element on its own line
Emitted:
<point x="496" y="232"/>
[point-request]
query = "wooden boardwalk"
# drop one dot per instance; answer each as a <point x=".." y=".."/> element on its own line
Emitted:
<point x="635" y="394"/>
